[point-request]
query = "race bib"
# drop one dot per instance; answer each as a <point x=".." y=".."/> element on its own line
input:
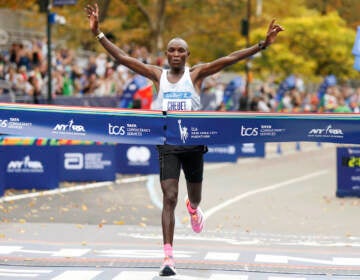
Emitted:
<point x="177" y="101"/>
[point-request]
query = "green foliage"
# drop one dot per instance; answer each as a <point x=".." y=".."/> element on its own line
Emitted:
<point x="347" y="9"/>
<point x="311" y="46"/>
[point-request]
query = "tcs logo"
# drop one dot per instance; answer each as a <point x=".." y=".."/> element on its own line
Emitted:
<point x="116" y="129"/>
<point x="3" y="123"/>
<point x="249" y="131"/>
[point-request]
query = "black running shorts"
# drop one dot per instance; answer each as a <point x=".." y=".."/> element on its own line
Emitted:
<point x="189" y="158"/>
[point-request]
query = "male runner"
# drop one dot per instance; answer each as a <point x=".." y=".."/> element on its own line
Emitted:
<point x="178" y="88"/>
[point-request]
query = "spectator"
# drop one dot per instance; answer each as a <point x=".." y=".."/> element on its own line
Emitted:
<point x="108" y="84"/>
<point x="67" y="86"/>
<point x="34" y="88"/>
<point x="23" y="57"/>
<point x="342" y="107"/>
<point x="92" y="84"/>
<point x="262" y="105"/>
<point x="79" y="79"/>
<point x="208" y="96"/>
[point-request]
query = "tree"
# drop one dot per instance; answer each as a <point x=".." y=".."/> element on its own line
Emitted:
<point x="154" y="14"/>
<point x="313" y="46"/>
<point x="347" y="9"/>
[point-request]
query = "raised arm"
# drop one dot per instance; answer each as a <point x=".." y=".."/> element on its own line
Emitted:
<point x="207" y="69"/>
<point x="150" y="71"/>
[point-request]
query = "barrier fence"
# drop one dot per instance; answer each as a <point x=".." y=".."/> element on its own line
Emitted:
<point x="30" y="163"/>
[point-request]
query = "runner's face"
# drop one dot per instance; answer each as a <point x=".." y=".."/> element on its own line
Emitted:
<point x="177" y="53"/>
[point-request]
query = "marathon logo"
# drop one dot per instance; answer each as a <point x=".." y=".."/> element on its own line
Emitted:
<point x="69" y="128"/>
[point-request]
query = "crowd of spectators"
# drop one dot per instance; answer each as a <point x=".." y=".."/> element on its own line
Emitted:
<point x="24" y="68"/>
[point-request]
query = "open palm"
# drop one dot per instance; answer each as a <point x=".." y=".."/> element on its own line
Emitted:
<point x="93" y="16"/>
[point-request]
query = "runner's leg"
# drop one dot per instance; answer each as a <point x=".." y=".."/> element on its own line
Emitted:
<point x="170" y="189"/>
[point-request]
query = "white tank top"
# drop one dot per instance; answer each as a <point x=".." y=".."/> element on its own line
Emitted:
<point x="179" y="96"/>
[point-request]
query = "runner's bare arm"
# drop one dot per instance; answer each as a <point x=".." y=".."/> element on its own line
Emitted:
<point x="207" y="69"/>
<point x="150" y="71"/>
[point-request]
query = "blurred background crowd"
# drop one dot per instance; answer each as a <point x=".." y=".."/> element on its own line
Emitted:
<point x="23" y="73"/>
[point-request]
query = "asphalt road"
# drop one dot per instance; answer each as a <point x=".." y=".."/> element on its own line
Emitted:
<point x="274" y="218"/>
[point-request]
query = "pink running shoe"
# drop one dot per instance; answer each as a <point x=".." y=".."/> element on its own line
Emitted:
<point x="197" y="217"/>
<point x="168" y="267"/>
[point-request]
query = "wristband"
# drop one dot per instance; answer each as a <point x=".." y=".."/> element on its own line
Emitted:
<point x="262" y="45"/>
<point x="100" y="35"/>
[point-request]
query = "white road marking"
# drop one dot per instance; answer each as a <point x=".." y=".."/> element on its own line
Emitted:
<point x="265" y="258"/>
<point x="228" y="202"/>
<point x="78" y="275"/>
<point x="135" y="275"/>
<point x="155" y="254"/>
<point x="67" y="253"/>
<point x="310" y="260"/>
<point x="285" y="278"/>
<point x="223" y="276"/>
<point x="270" y="259"/>
<point x="222" y="256"/>
<point x="22" y="273"/>
<point x="4" y="250"/>
<point x="346" y="261"/>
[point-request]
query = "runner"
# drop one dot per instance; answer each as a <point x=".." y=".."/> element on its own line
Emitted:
<point x="178" y="88"/>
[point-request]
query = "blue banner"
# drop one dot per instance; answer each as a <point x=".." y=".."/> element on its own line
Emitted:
<point x="146" y="127"/>
<point x="80" y="123"/>
<point x="348" y="171"/>
<point x="357" y="63"/>
<point x="251" y="150"/>
<point x="87" y="163"/>
<point x="221" y="153"/>
<point x="137" y="159"/>
<point x="195" y="128"/>
<point x="30" y="167"/>
<point x="356" y="47"/>
<point x="2" y="167"/>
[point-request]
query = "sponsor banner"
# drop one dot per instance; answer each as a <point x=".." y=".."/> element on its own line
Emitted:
<point x="30" y="167"/>
<point x="2" y="167"/>
<point x="251" y="150"/>
<point x="137" y="159"/>
<point x="348" y="171"/>
<point x="79" y="123"/>
<point x="87" y="163"/>
<point x="146" y="127"/>
<point x="221" y="153"/>
<point x="194" y="128"/>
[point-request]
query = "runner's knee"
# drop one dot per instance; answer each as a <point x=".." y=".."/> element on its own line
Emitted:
<point x="170" y="192"/>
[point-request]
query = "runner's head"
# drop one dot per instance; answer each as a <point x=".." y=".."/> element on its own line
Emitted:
<point x="177" y="53"/>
